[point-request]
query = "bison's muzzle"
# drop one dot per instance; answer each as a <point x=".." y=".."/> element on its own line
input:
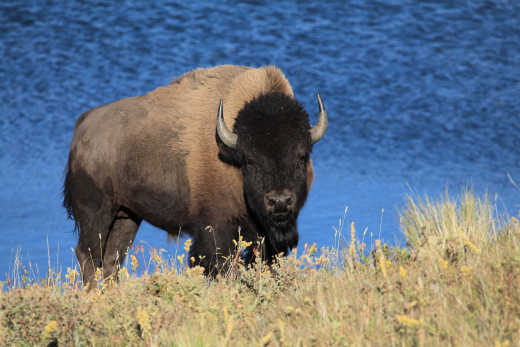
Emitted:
<point x="280" y="206"/>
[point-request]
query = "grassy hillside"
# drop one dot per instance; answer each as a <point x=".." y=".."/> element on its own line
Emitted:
<point x="456" y="284"/>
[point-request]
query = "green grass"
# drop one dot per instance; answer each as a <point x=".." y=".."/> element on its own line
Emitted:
<point x="456" y="284"/>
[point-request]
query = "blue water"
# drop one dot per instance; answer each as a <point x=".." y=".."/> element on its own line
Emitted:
<point x="421" y="98"/>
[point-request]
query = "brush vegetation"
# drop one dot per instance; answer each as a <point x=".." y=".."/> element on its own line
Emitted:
<point x="457" y="283"/>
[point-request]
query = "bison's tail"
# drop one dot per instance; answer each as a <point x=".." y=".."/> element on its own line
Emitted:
<point x="67" y="197"/>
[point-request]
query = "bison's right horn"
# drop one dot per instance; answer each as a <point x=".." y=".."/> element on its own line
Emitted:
<point x="318" y="130"/>
<point x="225" y="135"/>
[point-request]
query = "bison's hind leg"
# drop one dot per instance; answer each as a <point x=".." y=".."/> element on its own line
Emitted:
<point x="104" y="241"/>
<point x="120" y="239"/>
<point x="94" y="226"/>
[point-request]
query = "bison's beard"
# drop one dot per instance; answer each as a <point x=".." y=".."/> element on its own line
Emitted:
<point x="281" y="237"/>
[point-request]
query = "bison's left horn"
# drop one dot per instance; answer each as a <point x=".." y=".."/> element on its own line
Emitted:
<point x="318" y="130"/>
<point x="225" y="135"/>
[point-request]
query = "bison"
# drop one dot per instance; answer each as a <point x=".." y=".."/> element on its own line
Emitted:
<point x="181" y="161"/>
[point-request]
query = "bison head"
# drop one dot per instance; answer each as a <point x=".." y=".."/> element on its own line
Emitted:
<point x="271" y="143"/>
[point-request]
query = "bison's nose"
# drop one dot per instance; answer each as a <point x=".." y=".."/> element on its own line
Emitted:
<point x="279" y="202"/>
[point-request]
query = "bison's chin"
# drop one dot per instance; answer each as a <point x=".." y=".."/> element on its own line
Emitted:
<point x="280" y="220"/>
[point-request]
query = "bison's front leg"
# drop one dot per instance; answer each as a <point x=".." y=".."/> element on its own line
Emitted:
<point x="211" y="249"/>
<point x="214" y="248"/>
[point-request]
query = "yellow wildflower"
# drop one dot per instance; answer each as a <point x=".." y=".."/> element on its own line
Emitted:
<point x="180" y="258"/>
<point x="266" y="339"/>
<point x="505" y="343"/>
<point x="195" y="271"/>
<point x="322" y="260"/>
<point x="123" y="274"/>
<point x="465" y="269"/>
<point x="98" y="274"/>
<point x="444" y="263"/>
<point x="281" y="327"/>
<point x="382" y="262"/>
<point x="50" y="327"/>
<point x="313" y="250"/>
<point x="244" y="243"/>
<point x="134" y="262"/>
<point x="408" y="321"/>
<point x="187" y="245"/>
<point x="144" y="321"/>
<point x="241" y="244"/>
<point x="470" y="245"/>
<point x="71" y="275"/>
<point x="402" y="271"/>
<point x="226" y="314"/>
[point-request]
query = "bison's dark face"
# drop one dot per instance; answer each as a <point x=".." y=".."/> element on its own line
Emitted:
<point x="271" y="144"/>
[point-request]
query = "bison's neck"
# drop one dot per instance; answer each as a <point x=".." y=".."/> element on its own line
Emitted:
<point x="216" y="189"/>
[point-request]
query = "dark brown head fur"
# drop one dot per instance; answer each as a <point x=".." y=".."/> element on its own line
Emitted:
<point x="273" y="154"/>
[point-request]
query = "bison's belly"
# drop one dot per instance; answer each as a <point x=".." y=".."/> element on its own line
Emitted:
<point x="160" y="206"/>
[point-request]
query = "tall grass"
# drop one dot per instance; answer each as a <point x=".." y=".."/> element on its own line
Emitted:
<point x="455" y="284"/>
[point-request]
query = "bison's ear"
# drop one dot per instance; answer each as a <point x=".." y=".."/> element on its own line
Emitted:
<point x="227" y="154"/>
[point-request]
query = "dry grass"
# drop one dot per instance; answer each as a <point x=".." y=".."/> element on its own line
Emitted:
<point x="457" y="284"/>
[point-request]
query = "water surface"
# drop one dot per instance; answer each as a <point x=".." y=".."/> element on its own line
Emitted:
<point x="421" y="98"/>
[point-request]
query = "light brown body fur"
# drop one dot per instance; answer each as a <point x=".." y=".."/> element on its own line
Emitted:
<point x="169" y="135"/>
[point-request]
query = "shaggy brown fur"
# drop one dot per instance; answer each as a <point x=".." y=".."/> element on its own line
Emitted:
<point x="154" y="157"/>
